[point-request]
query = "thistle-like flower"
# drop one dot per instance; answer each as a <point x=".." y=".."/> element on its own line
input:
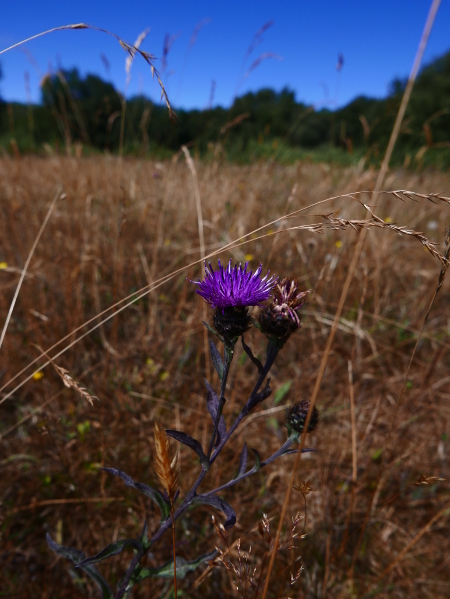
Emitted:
<point x="234" y="287"/>
<point x="280" y="318"/>
<point x="230" y="291"/>
<point x="296" y="418"/>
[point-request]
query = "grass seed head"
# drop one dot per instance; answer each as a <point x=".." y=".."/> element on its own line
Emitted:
<point x="165" y="465"/>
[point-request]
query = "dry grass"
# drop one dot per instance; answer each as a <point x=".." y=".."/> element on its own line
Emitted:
<point x="126" y="223"/>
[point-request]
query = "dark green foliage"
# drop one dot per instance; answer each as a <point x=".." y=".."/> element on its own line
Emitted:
<point x="261" y="125"/>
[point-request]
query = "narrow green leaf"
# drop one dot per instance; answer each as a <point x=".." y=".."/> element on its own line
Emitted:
<point x="166" y="571"/>
<point x="257" y="466"/>
<point x="216" y="359"/>
<point x="281" y="392"/>
<point x="110" y="550"/>
<point x="213" y="331"/>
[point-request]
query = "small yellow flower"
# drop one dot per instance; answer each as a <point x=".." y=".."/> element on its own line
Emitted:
<point x="3" y="265"/>
<point x="37" y="376"/>
<point x="338" y="244"/>
<point x="249" y="257"/>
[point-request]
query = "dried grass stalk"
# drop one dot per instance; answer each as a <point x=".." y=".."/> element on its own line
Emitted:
<point x="69" y="382"/>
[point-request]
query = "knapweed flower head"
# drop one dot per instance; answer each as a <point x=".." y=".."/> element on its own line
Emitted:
<point x="231" y="291"/>
<point x="296" y="417"/>
<point x="235" y="287"/>
<point x="280" y="318"/>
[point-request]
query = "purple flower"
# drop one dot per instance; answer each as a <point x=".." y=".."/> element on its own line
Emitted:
<point x="234" y="287"/>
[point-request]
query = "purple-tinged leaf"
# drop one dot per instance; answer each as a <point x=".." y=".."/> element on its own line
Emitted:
<point x="258" y="460"/>
<point x="258" y="398"/>
<point x="76" y="556"/>
<point x="190" y="442"/>
<point x="249" y="352"/>
<point x="242" y="462"/>
<point x="212" y="403"/>
<point x="220" y="504"/>
<point x="154" y="494"/>
<point x="216" y="359"/>
<point x="110" y="550"/>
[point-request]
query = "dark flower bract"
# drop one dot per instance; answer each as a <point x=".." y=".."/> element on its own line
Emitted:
<point x="234" y="287"/>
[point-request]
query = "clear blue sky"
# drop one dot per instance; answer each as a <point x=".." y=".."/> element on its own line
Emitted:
<point x="378" y="41"/>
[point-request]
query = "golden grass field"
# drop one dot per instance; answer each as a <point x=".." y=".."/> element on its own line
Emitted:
<point x="371" y="529"/>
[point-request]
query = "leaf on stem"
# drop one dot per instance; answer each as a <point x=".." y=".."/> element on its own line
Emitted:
<point x="212" y="403"/>
<point x="154" y="494"/>
<point x="166" y="571"/>
<point x="220" y="504"/>
<point x="190" y="442"/>
<point x="216" y="359"/>
<point x="110" y="550"/>
<point x="76" y="556"/>
<point x="257" y="398"/>
<point x="242" y="461"/>
<point x="257" y="466"/>
<point x="253" y="358"/>
<point x="144" y="537"/>
<point x="213" y="331"/>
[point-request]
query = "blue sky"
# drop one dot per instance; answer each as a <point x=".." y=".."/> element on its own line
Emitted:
<point x="378" y="41"/>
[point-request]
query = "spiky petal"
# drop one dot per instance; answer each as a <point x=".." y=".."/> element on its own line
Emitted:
<point x="234" y="287"/>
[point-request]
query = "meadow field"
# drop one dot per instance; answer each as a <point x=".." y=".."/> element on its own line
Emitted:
<point x="377" y="517"/>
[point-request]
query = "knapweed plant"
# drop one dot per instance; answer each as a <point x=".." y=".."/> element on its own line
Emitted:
<point x="230" y="292"/>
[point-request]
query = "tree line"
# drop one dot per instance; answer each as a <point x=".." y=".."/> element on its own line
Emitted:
<point x="91" y="114"/>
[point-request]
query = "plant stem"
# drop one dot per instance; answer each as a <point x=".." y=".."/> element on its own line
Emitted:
<point x="272" y="352"/>
<point x="129" y="573"/>
<point x="283" y="450"/>
<point x="228" y="358"/>
<point x="174" y="554"/>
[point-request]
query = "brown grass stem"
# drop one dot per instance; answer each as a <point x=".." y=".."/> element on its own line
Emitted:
<point x="407" y="93"/>
<point x="133" y="297"/>
<point x="352" y="268"/>
<point x="27" y="263"/>
<point x="174" y="554"/>
<point x="32" y="506"/>
<point x="201" y="237"/>
<point x="442" y="512"/>
<point x="313" y="399"/>
<point x="353" y="421"/>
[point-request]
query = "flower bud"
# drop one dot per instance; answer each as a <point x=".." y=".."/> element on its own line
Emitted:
<point x="296" y="417"/>
<point x="231" y="323"/>
<point x="280" y="318"/>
